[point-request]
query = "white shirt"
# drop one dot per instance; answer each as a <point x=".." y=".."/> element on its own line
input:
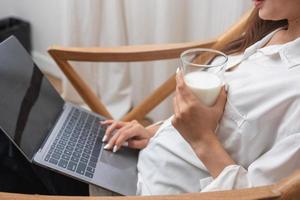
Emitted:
<point x="260" y="129"/>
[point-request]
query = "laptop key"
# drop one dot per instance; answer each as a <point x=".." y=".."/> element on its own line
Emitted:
<point x="55" y="156"/>
<point x="62" y="142"/>
<point x="47" y="157"/>
<point x="66" y="157"/>
<point x="83" y="137"/>
<point x="61" y="147"/>
<point x="67" y="152"/>
<point x="50" y="151"/>
<point x="68" y="130"/>
<point x="78" y="150"/>
<point x="81" y="168"/>
<point x="58" y="151"/>
<point x="67" y="135"/>
<point x="90" y="169"/>
<point x="71" y="143"/>
<point x="53" y="161"/>
<point x="93" y="159"/>
<point x="73" y="139"/>
<point x="70" y="148"/>
<point x="92" y="164"/>
<point x="98" y="141"/>
<point x="72" y="166"/>
<point x="88" y="174"/>
<point x="81" y="142"/>
<point x="74" y="159"/>
<point x="84" y="160"/>
<point x="84" y="155"/>
<point x="63" y="163"/>
<point x="87" y="151"/>
<point x="76" y="154"/>
<point x="91" y="138"/>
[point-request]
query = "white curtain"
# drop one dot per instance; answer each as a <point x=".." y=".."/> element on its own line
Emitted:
<point x="108" y="23"/>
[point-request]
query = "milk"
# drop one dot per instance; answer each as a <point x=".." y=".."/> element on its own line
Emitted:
<point x="205" y="85"/>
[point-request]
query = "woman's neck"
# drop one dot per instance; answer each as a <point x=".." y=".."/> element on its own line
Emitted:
<point x="287" y="35"/>
<point x="293" y="31"/>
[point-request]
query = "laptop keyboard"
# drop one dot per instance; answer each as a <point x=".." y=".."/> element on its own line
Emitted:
<point x="78" y="143"/>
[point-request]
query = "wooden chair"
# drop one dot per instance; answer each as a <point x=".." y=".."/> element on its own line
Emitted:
<point x="288" y="188"/>
<point x="62" y="55"/>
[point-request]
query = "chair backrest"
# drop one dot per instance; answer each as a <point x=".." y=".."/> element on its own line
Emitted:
<point x="62" y="55"/>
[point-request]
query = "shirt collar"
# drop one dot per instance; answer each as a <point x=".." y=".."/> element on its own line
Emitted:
<point x="289" y="52"/>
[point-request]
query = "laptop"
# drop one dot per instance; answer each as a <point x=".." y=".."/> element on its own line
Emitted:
<point x="56" y="134"/>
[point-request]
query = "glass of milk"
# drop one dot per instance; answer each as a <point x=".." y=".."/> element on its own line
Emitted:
<point x="203" y="71"/>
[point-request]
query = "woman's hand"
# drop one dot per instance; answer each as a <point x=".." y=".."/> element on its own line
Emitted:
<point x="193" y="120"/>
<point x="131" y="134"/>
<point x="197" y="124"/>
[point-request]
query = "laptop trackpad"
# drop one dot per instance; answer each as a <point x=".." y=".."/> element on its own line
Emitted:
<point x="123" y="159"/>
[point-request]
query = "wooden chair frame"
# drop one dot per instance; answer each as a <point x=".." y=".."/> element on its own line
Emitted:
<point x="63" y="55"/>
<point x="288" y="188"/>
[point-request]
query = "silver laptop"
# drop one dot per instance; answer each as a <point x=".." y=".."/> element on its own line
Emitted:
<point x="53" y="133"/>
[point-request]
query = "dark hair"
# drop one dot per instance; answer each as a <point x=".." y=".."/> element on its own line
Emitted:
<point x="256" y="29"/>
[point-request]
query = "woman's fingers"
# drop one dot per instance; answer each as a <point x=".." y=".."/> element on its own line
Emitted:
<point x="138" y="144"/>
<point x="107" y="122"/>
<point x="183" y="90"/>
<point x="133" y="135"/>
<point x="124" y="136"/>
<point x="222" y="98"/>
<point x="112" y="141"/>
<point x="110" y="130"/>
<point x="180" y="79"/>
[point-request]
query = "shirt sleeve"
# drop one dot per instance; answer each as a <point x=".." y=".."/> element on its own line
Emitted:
<point x="277" y="163"/>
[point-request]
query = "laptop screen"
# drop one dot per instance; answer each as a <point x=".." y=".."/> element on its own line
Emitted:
<point x="29" y="105"/>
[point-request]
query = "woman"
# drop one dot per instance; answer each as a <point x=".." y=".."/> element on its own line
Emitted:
<point x="258" y="137"/>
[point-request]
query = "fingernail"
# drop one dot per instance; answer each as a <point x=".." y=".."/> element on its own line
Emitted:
<point x="107" y="146"/>
<point x="125" y="144"/>
<point x="115" y="149"/>
<point x="104" y="139"/>
<point x="226" y="87"/>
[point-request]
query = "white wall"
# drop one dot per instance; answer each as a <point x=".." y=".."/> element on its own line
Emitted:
<point x="45" y="17"/>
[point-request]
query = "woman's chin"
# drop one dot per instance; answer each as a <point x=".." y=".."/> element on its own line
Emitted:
<point x="266" y="15"/>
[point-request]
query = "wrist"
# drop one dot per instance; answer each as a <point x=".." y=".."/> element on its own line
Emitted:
<point x="154" y="127"/>
<point x="204" y="145"/>
<point x="213" y="155"/>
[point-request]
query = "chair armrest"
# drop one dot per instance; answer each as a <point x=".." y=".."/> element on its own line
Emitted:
<point x="126" y="53"/>
<point x="266" y="192"/>
<point x="62" y="55"/>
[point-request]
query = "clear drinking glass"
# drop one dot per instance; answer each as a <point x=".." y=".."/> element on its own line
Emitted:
<point x="203" y="71"/>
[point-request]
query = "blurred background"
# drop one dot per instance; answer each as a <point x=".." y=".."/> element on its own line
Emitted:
<point x="107" y="23"/>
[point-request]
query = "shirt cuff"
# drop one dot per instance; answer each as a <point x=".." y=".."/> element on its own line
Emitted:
<point x="232" y="177"/>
